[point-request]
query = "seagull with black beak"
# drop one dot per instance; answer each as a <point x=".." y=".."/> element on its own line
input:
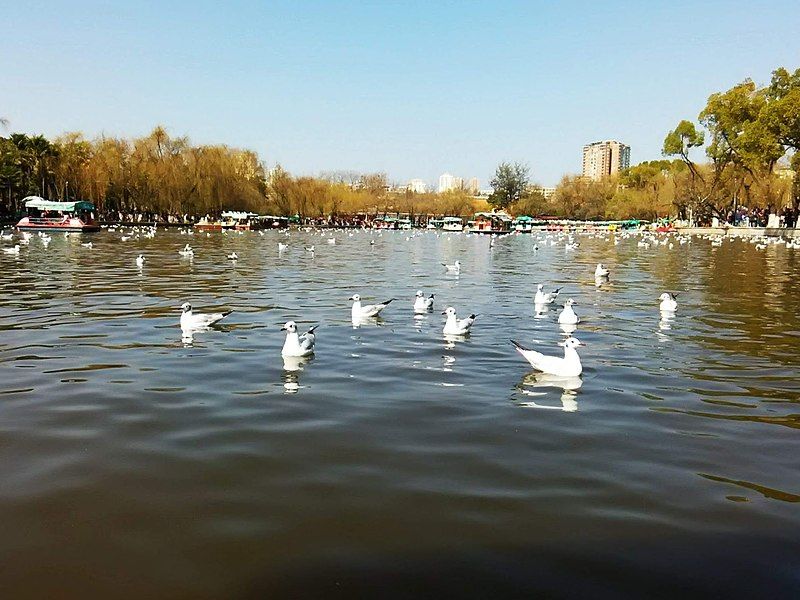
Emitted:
<point x="298" y="345"/>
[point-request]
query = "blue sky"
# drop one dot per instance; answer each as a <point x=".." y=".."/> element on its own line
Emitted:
<point x="409" y="88"/>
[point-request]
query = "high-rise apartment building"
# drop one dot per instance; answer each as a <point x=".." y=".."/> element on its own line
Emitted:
<point x="446" y="182"/>
<point x="601" y="159"/>
<point x="417" y="186"/>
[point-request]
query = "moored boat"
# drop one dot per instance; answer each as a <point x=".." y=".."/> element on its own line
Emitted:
<point x="51" y="215"/>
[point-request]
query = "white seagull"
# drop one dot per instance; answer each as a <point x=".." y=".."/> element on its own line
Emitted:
<point x="187" y="251"/>
<point x="569" y="366"/>
<point x="454" y="326"/>
<point x="668" y="302"/>
<point x="14" y="250"/>
<point x="454" y="268"/>
<point x="423" y="304"/>
<point x="543" y="297"/>
<point x="282" y="246"/>
<point x="140" y="261"/>
<point x="190" y="320"/>
<point x="366" y="311"/>
<point x="601" y="271"/>
<point x="568" y="316"/>
<point x="233" y="256"/>
<point x="296" y="345"/>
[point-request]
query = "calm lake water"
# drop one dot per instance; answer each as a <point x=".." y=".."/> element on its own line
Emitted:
<point x="396" y="463"/>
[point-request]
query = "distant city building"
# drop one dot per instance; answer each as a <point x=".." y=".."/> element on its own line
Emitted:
<point x="601" y="159"/>
<point x="417" y="186"/>
<point x="447" y="183"/>
<point x="547" y="192"/>
<point x="474" y="187"/>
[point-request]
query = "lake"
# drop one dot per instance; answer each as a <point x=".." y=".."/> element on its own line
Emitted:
<point x="396" y="463"/>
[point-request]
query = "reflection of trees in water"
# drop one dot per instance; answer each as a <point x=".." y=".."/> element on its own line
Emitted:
<point x="753" y="293"/>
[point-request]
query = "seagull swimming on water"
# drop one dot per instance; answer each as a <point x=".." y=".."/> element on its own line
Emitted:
<point x="569" y="366"/>
<point x="140" y="261"/>
<point x="423" y="304"/>
<point x="454" y="326"/>
<point x="233" y="256"/>
<point x="568" y="316"/>
<point x="601" y="271"/>
<point x="454" y="268"/>
<point x="668" y="302"/>
<point x="14" y="250"/>
<point x="367" y="310"/>
<point x="191" y="320"/>
<point x="187" y="251"/>
<point x="543" y="297"/>
<point x="298" y="345"/>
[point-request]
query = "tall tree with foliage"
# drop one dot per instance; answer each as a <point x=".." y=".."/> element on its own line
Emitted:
<point x="509" y="184"/>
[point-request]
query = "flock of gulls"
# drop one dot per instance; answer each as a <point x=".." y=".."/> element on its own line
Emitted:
<point x="297" y="345"/>
<point x="302" y="345"/>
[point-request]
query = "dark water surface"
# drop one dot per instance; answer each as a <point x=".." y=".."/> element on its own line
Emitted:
<point x="396" y="463"/>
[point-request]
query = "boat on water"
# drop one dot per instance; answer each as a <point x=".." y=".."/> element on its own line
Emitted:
<point x="236" y="220"/>
<point x="491" y="222"/>
<point x="446" y="224"/>
<point x="51" y="215"/>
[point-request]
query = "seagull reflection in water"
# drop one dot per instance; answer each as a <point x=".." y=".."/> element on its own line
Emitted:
<point x="292" y="367"/>
<point x="568" y="385"/>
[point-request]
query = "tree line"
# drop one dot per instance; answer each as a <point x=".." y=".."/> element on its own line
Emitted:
<point x="748" y="133"/>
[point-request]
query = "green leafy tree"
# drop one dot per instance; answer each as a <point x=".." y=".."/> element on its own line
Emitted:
<point x="509" y="184"/>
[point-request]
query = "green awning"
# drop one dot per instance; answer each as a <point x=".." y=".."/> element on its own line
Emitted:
<point x="69" y="207"/>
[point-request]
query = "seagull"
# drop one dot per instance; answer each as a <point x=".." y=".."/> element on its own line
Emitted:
<point x="233" y="256"/>
<point x="423" y="304"/>
<point x="454" y="268"/>
<point x="545" y="298"/>
<point x="370" y="310"/>
<point x="87" y="245"/>
<point x="601" y="271"/>
<point x="295" y="345"/>
<point x="140" y="261"/>
<point x="568" y="316"/>
<point x="7" y="237"/>
<point x="332" y="241"/>
<point x="569" y="366"/>
<point x="189" y="320"/>
<point x="282" y="246"/>
<point x="453" y="326"/>
<point x="187" y="251"/>
<point x="668" y="302"/>
<point x="14" y="250"/>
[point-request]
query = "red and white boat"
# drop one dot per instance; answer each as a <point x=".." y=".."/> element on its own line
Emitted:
<point x="49" y="215"/>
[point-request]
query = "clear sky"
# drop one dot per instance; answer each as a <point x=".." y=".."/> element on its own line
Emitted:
<point x="409" y="88"/>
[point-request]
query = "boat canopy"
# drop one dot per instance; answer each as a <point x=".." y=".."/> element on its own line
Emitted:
<point x="452" y="219"/>
<point x="524" y="219"/>
<point x="238" y="215"/>
<point x="501" y="216"/>
<point x="68" y="207"/>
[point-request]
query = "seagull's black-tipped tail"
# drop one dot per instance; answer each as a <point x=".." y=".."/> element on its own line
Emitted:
<point x="519" y="346"/>
<point x="312" y="329"/>
<point x="433" y="296"/>
<point x="557" y="290"/>
<point x="389" y="301"/>
<point x="473" y="317"/>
